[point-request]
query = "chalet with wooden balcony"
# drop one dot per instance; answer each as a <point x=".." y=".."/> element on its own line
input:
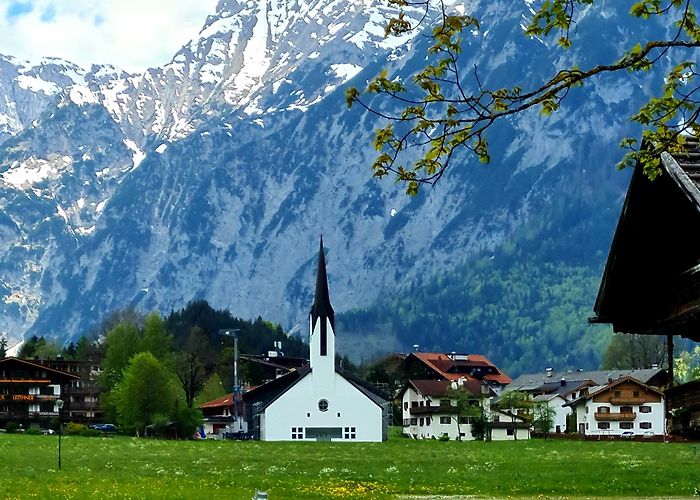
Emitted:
<point x="29" y="391"/>
<point x="624" y="405"/>
<point x="429" y="411"/>
<point x="82" y="394"/>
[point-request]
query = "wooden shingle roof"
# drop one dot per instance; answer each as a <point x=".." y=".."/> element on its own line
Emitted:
<point x="651" y="282"/>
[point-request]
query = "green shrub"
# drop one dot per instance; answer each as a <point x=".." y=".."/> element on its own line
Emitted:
<point x="74" y="429"/>
<point x="444" y="437"/>
<point x="87" y="432"/>
<point x="11" y="426"/>
<point x="33" y="432"/>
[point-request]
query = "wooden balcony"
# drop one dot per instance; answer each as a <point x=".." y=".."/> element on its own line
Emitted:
<point x="627" y="400"/>
<point x="615" y="417"/>
<point x="429" y="410"/>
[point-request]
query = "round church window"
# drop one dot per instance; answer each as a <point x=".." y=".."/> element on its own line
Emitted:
<point x="323" y="405"/>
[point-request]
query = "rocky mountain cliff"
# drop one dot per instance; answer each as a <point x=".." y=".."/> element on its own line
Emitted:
<point x="213" y="176"/>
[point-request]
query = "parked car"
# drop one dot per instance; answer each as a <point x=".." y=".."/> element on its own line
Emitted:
<point x="104" y="427"/>
<point x="627" y="434"/>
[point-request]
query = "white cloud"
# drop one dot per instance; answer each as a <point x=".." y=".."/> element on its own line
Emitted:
<point x="131" y="34"/>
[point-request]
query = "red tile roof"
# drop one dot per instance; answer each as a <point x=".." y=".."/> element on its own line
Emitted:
<point x="223" y="401"/>
<point x="452" y="367"/>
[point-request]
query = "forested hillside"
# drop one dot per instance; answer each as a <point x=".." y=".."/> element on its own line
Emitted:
<point x="525" y="306"/>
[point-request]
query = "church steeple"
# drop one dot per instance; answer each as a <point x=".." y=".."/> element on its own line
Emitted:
<point x="321" y="307"/>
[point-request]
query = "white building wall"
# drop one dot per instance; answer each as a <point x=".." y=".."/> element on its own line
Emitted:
<point x="431" y="425"/>
<point x="653" y="421"/>
<point x="299" y="408"/>
<point x="561" y="412"/>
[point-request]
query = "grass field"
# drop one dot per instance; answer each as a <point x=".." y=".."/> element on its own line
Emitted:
<point x="123" y="467"/>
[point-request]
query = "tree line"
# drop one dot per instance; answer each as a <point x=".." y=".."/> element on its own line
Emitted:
<point x="156" y="371"/>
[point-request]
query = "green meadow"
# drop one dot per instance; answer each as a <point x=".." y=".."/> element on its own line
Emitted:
<point x="124" y="467"/>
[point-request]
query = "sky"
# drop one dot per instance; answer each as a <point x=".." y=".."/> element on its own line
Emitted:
<point x="130" y="34"/>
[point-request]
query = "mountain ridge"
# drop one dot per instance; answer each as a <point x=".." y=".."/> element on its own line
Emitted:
<point x="200" y="194"/>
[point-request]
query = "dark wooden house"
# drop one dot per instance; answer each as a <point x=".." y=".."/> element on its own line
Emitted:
<point x="29" y="392"/>
<point x="651" y="283"/>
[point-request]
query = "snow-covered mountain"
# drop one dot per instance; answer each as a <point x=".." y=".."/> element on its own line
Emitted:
<point x="213" y="176"/>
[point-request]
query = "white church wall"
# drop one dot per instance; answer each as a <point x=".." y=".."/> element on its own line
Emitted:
<point x="348" y="409"/>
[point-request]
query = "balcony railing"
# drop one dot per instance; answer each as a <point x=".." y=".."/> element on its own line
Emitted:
<point x="424" y="410"/>
<point x="616" y="417"/>
<point x="627" y="400"/>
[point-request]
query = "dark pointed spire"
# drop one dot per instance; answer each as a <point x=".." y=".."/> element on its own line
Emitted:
<point x="322" y="303"/>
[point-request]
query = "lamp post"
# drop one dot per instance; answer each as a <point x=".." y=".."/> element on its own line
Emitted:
<point x="59" y="405"/>
<point x="236" y="389"/>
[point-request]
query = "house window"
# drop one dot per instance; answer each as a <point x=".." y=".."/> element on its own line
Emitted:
<point x="625" y="409"/>
<point x="414" y="404"/>
<point x="626" y="425"/>
<point x="510" y="432"/>
<point x="406" y="422"/>
<point x="645" y="409"/>
<point x="465" y="420"/>
<point x="297" y="433"/>
<point x="618" y="394"/>
<point x="338" y="414"/>
<point x="405" y="405"/>
<point x="444" y="420"/>
<point x="603" y="425"/>
<point x="635" y="394"/>
<point x="645" y="425"/>
<point x="445" y="402"/>
<point x="427" y="420"/>
<point x="422" y="421"/>
<point x="603" y="409"/>
<point x="323" y="405"/>
<point x="414" y="421"/>
<point x="350" y="433"/>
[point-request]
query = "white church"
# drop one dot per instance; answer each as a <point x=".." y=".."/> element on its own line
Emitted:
<point x="317" y="402"/>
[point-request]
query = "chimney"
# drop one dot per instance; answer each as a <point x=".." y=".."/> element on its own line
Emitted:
<point x="562" y="381"/>
<point x="549" y="372"/>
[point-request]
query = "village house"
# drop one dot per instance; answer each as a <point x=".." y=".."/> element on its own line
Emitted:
<point x="624" y="406"/>
<point x="82" y="395"/>
<point x="218" y="415"/>
<point x="441" y="366"/>
<point x="558" y="389"/>
<point x="318" y="401"/>
<point x="29" y="392"/>
<point x="429" y="412"/>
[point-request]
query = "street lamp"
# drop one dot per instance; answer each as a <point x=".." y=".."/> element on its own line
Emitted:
<point x="59" y="405"/>
<point x="236" y="389"/>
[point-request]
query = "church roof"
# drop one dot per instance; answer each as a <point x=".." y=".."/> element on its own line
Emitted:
<point x="322" y="303"/>
<point x="269" y="393"/>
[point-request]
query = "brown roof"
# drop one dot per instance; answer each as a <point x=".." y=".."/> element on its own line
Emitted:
<point x="222" y="402"/>
<point x="38" y="365"/>
<point x="438" y="388"/>
<point x="452" y="367"/>
<point x="651" y="282"/>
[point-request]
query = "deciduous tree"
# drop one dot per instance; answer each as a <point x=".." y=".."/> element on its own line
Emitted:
<point x="446" y="108"/>
<point x="543" y="418"/>
<point x="628" y="351"/>
<point x="145" y="390"/>
<point x="513" y="403"/>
